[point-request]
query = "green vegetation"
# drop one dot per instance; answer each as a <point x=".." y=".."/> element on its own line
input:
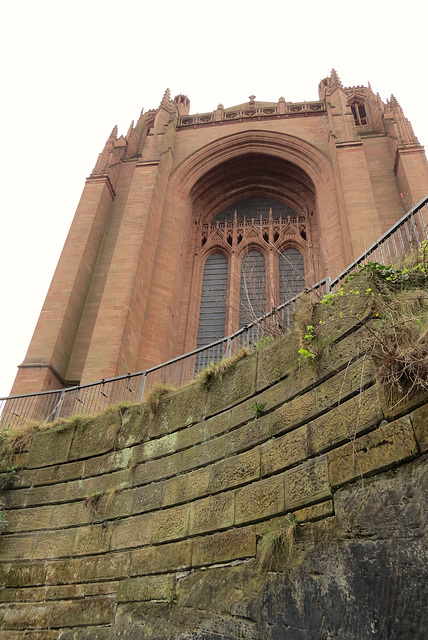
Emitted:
<point x="277" y="542"/>
<point x="258" y="408"/>
<point x="216" y="370"/>
<point x="264" y="340"/>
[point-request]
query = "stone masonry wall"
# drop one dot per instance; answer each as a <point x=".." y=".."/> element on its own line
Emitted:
<point x="133" y="525"/>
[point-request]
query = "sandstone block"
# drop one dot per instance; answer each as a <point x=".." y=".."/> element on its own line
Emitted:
<point x="419" y="420"/>
<point x="94" y="436"/>
<point x="306" y="484"/>
<point x="345" y="422"/>
<point x="204" y="453"/>
<point x="135" y="426"/>
<point x="190" y="436"/>
<point x="92" y="539"/>
<point x="209" y="514"/>
<point x="50" y="447"/>
<point x="344" y="384"/>
<point x="276" y="359"/>
<point x="217" y="424"/>
<point x="187" y="486"/>
<point x="20" y="574"/>
<point x="146" y="588"/>
<point x="108" y="462"/>
<point x="260" y="500"/>
<point x="135" y="531"/>
<point x="29" y="519"/>
<point x="283" y="452"/>
<point x="250" y="434"/>
<point x="178" y="409"/>
<point x="170" y="524"/>
<point x="146" y="498"/>
<point x="386" y="446"/>
<point x="236" y="470"/>
<point x="165" y="557"/>
<point x="153" y="470"/>
<point x="224" y="547"/>
<point x="237" y="383"/>
<point x="294" y="413"/>
<point x="59" y="473"/>
<point x="53" y="544"/>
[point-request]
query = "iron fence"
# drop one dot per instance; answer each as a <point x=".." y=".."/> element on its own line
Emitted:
<point x="89" y="399"/>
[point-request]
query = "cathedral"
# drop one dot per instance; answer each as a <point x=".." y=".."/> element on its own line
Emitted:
<point x="192" y="225"/>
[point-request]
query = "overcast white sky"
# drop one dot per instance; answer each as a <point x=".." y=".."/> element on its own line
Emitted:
<point x="72" y="70"/>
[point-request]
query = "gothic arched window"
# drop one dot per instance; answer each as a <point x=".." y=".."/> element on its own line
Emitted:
<point x="212" y="317"/>
<point x="291" y="273"/>
<point x="253" y="287"/>
<point x="359" y="113"/>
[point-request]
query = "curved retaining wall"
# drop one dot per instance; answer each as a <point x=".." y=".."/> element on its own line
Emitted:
<point x="138" y="526"/>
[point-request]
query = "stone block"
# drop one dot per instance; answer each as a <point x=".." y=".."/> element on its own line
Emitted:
<point x="276" y="360"/>
<point x="30" y="519"/>
<point x="205" y="453"/>
<point x="146" y="588"/>
<point x="217" y="425"/>
<point x="62" y="613"/>
<point x="419" y="420"/>
<point x="190" y="436"/>
<point x="260" y="500"/>
<point x="344" y="384"/>
<point x="94" y="436"/>
<point x="178" y="409"/>
<point x="224" y="547"/>
<point x="336" y="356"/>
<point x="135" y="426"/>
<point x="53" y="544"/>
<point x="70" y="514"/>
<point x="92" y="539"/>
<point x="156" y="448"/>
<point x="307" y="484"/>
<point x="187" y="486"/>
<point x="115" y="503"/>
<point x="250" y="434"/>
<point x="108" y="462"/>
<point x="170" y="524"/>
<point x="396" y="404"/>
<point x="345" y="422"/>
<point x="378" y="450"/>
<point x="237" y="470"/>
<point x="59" y="473"/>
<point x="283" y="452"/>
<point x="22" y="574"/>
<point x="107" y="482"/>
<point x="50" y="447"/>
<point x="146" y="498"/>
<point x="153" y="470"/>
<point x="294" y="413"/>
<point x="135" y="531"/>
<point x="237" y="383"/>
<point x="98" y="567"/>
<point x="175" y="556"/>
<point x="212" y="513"/>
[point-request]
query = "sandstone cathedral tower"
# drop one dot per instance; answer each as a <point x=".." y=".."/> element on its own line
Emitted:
<point x="178" y="212"/>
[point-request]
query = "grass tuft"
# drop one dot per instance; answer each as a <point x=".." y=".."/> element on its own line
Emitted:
<point x="216" y="370"/>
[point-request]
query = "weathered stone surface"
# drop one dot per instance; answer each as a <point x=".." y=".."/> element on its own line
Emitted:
<point x="236" y="470"/>
<point x="20" y="574"/>
<point x="170" y="524"/>
<point x="217" y="425"/>
<point x="224" y="547"/>
<point x="109" y="462"/>
<point x="275" y="360"/>
<point x="189" y="436"/>
<point x="153" y="470"/>
<point x="204" y="453"/>
<point x="250" y="434"/>
<point x="59" y="473"/>
<point x="283" y="452"/>
<point x="419" y="420"/>
<point x="135" y="425"/>
<point x="50" y="447"/>
<point x="269" y="399"/>
<point x="94" y="436"/>
<point x="42" y="615"/>
<point x="389" y="444"/>
<point x="53" y="544"/>
<point x="132" y="532"/>
<point x="345" y="422"/>
<point x="348" y="382"/>
<point x="260" y="500"/>
<point x="146" y="498"/>
<point x="101" y="567"/>
<point x="212" y="513"/>
<point x="146" y="588"/>
<point x="178" y="409"/>
<point x="156" y="448"/>
<point x="294" y="413"/>
<point x="187" y="486"/>
<point x="237" y="383"/>
<point x="306" y="484"/>
<point x="336" y="356"/>
<point x="162" y="558"/>
<point x="29" y="519"/>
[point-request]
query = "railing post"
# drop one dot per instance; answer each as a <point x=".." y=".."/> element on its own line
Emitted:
<point x="228" y="352"/>
<point x="143" y="384"/>
<point x="327" y="285"/>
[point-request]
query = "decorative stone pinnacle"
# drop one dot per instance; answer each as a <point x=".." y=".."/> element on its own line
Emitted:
<point x="252" y="98"/>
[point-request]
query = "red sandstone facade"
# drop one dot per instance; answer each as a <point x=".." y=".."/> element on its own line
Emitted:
<point x="126" y="293"/>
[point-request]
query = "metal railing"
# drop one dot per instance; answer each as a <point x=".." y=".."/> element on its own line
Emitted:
<point x="89" y="399"/>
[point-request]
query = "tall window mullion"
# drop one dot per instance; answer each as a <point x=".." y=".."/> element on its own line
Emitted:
<point x="291" y="274"/>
